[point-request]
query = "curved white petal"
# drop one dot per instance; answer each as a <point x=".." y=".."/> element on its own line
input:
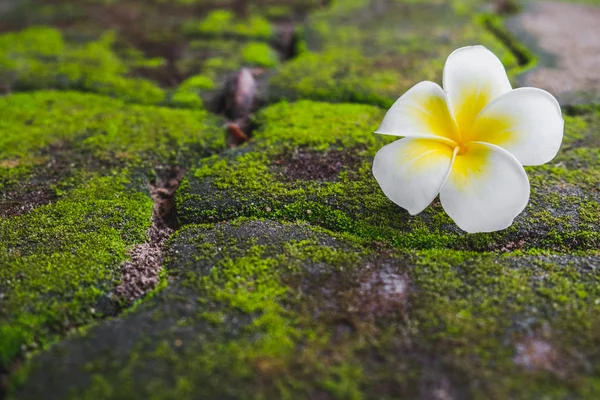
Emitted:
<point x="421" y="112"/>
<point x="526" y="122"/>
<point x="486" y="189"/>
<point x="411" y="171"/>
<point x="473" y="77"/>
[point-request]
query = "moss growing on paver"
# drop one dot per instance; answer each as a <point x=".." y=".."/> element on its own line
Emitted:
<point x="95" y="126"/>
<point x="39" y="58"/>
<point x="370" y="52"/>
<point x="260" y="309"/>
<point x="485" y="313"/>
<point x="237" y="327"/>
<point x="312" y="161"/>
<point x="60" y="260"/>
<point x="367" y="302"/>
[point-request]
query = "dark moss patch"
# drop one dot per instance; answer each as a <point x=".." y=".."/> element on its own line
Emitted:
<point x="23" y="201"/>
<point x="32" y="182"/>
<point x="306" y="164"/>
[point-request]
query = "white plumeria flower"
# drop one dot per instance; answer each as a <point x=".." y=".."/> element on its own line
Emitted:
<point x="468" y="142"/>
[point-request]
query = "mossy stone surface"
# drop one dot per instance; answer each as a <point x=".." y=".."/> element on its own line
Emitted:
<point x="291" y="275"/>
<point x="261" y="309"/>
<point x="373" y="51"/>
<point x="312" y="161"/>
<point x="74" y="174"/>
<point x="61" y="261"/>
<point x="40" y="58"/>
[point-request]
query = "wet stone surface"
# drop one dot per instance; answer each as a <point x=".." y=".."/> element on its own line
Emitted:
<point x="187" y="208"/>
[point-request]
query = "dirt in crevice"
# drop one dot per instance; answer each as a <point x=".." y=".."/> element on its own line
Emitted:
<point x="140" y="274"/>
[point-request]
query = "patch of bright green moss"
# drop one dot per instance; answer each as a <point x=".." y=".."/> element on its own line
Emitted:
<point x="188" y="93"/>
<point x="39" y="58"/>
<point x="225" y="23"/>
<point x="318" y="126"/>
<point x="260" y="55"/>
<point x="60" y="260"/>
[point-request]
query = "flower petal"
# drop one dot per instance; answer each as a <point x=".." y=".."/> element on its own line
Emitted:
<point x="411" y="171"/>
<point x="473" y="77"/>
<point x="486" y="189"/>
<point x="421" y="112"/>
<point x="526" y="122"/>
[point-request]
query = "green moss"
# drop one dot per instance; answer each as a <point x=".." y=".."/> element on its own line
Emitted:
<point x="60" y="260"/>
<point x="260" y="55"/>
<point x="105" y="128"/>
<point x="476" y="310"/>
<point x="198" y="82"/>
<point x="238" y="325"/>
<point x="290" y="311"/>
<point x="188" y="93"/>
<point x="318" y="126"/>
<point x="225" y="23"/>
<point x="359" y="52"/>
<point x="337" y="75"/>
<point x="39" y="58"/>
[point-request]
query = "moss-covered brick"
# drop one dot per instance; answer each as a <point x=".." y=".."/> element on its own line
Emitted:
<point x="90" y="127"/>
<point x="372" y="52"/>
<point x="40" y="58"/>
<point x="261" y="309"/>
<point x="312" y="161"/>
<point x="60" y="261"/>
